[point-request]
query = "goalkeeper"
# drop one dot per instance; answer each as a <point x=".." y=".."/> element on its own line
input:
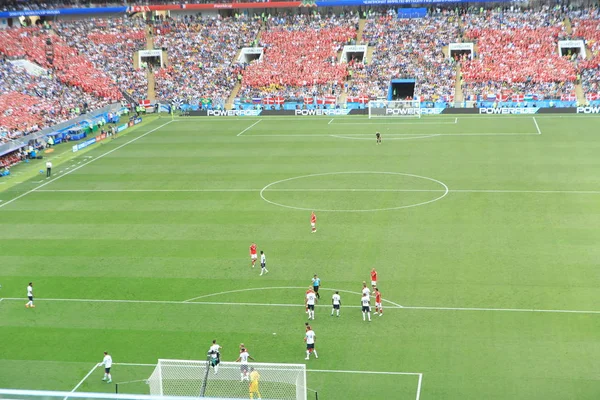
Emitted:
<point x="254" y="377"/>
<point x="214" y="356"/>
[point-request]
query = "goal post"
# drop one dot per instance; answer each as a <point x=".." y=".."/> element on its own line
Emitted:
<point x="396" y="108"/>
<point x="196" y="378"/>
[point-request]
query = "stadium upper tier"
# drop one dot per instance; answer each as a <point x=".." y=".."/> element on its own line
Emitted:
<point x="515" y="57"/>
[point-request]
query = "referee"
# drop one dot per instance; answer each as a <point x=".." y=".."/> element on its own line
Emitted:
<point x="316" y="281"/>
<point x="48" y="169"/>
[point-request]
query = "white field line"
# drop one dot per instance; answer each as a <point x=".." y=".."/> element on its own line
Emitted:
<point x="397" y="123"/>
<point x="280" y="287"/>
<point x="265" y="118"/>
<point x="330" y="121"/>
<point x="410" y="134"/>
<point x="407" y="137"/>
<point x="456" y="120"/>
<point x="419" y="385"/>
<point x="83" y="380"/>
<point x="424" y="308"/>
<point x="537" y="126"/>
<point x="508" y="191"/>
<point x="84" y="164"/>
<point x="248" y="128"/>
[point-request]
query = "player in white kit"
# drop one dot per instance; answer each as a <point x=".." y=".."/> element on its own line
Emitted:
<point x="309" y="338"/>
<point x="311" y="298"/>
<point x="365" y="301"/>
<point x="243" y="358"/>
<point x="336" y="302"/>
<point x="107" y="363"/>
<point x="30" y="296"/>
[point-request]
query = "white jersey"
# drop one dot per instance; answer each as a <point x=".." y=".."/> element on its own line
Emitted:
<point x="263" y="259"/>
<point x="214" y="349"/>
<point x="365" y="301"/>
<point x="310" y="298"/>
<point x="244" y="357"/>
<point x="29" y="291"/>
<point x="366" y="291"/>
<point x="336" y="299"/>
<point x="107" y="361"/>
<point x="310" y="337"/>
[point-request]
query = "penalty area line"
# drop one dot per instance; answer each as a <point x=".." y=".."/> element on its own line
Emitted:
<point x="83" y="380"/>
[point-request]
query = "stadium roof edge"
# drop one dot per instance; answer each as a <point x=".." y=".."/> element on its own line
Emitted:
<point x="225" y="6"/>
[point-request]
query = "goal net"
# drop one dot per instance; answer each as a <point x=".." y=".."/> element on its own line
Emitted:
<point x="404" y="108"/>
<point x="232" y="380"/>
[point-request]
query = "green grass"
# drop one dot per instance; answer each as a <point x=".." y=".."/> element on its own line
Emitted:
<point x="168" y="216"/>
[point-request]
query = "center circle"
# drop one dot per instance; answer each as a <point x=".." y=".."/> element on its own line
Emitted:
<point x="387" y="189"/>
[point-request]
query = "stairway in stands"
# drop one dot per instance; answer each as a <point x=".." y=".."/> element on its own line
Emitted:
<point x="578" y="88"/>
<point x="238" y="85"/>
<point x="151" y="92"/>
<point x="459" y="96"/>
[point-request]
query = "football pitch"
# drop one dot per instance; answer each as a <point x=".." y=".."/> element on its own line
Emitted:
<point x="484" y="231"/>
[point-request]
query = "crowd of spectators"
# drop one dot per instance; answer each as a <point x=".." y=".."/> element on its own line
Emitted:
<point x="517" y="53"/>
<point x="300" y="57"/>
<point x="110" y="45"/>
<point x="68" y="65"/>
<point x="201" y="57"/>
<point x="13" y="5"/>
<point x="409" y="48"/>
<point x="586" y="26"/>
<point x="29" y="102"/>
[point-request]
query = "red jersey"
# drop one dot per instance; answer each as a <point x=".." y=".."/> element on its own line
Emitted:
<point x="253" y="249"/>
<point x="377" y="297"/>
<point x="313" y="218"/>
<point x="374" y="276"/>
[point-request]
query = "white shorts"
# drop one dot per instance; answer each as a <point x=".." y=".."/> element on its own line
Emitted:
<point x="374" y="283"/>
<point x="378" y="305"/>
<point x="312" y="224"/>
<point x="253" y="256"/>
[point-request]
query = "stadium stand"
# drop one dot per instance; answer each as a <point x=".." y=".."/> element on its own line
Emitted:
<point x="409" y="48"/>
<point x="300" y="57"/>
<point x="109" y="44"/>
<point x="586" y="26"/>
<point x="517" y="58"/>
<point x="30" y="103"/>
<point x="201" y="53"/>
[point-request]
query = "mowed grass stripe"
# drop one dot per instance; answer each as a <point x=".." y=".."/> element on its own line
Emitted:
<point x="469" y="250"/>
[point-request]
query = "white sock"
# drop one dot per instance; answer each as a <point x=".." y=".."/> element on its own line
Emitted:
<point x="369" y="314"/>
<point x="307" y="353"/>
<point x="338" y="313"/>
<point x="363" y="316"/>
<point x="109" y="377"/>
<point x="316" y="356"/>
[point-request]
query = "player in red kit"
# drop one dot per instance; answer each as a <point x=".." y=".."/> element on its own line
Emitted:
<point x="378" y="307"/>
<point x="373" y="278"/>
<point x="313" y="222"/>
<point x="253" y="255"/>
